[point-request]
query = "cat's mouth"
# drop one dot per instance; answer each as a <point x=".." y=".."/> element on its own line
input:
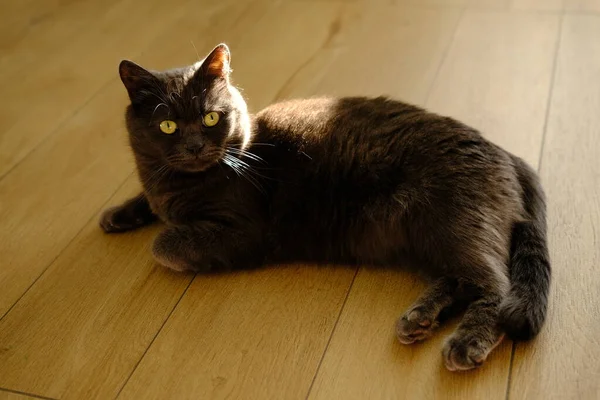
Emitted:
<point x="196" y="163"/>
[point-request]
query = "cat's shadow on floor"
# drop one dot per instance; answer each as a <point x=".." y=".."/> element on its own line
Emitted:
<point x="399" y="288"/>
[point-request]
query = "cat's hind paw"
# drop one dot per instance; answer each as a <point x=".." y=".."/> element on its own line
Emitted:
<point x="415" y="326"/>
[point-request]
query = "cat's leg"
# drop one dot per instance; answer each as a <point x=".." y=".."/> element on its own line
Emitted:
<point x="478" y="332"/>
<point x="205" y="247"/>
<point x="421" y="318"/>
<point x="130" y="215"/>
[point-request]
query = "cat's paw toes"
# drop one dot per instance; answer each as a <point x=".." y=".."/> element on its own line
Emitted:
<point x="414" y="326"/>
<point x="172" y="262"/>
<point x="116" y="220"/>
<point x="163" y="252"/>
<point x="463" y="351"/>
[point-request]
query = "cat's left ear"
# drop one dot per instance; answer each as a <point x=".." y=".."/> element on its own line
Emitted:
<point x="135" y="78"/>
<point x="217" y="63"/>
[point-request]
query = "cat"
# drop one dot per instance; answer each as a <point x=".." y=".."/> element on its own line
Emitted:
<point x="357" y="181"/>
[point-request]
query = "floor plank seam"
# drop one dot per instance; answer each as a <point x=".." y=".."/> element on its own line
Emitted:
<point x="65" y="247"/>
<point x="58" y="127"/>
<point x="444" y="56"/>
<point x="481" y="8"/>
<point x="281" y="93"/>
<point x="515" y="11"/>
<point x="513" y="348"/>
<point x="155" y="336"/>
<point x="551" y="92"/>
<point x="495" y="63"/>
<point x="68" y="118"/>
<point x="590" y="13"/>
<point x="539" y="168"/>
<point x="332" y="333"/>
<point x="418" y="5"/>
<point x="37" y="396"/>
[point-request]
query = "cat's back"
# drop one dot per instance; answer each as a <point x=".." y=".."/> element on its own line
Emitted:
<point x="316" y="116"/>
<point x="372" y="132"/>
<point x="356" y="154"/>
<point x="335" y="128"/>
<point x="299" y="118"/>
<point x="318" y="120"/>
<point x="367" y="145"/>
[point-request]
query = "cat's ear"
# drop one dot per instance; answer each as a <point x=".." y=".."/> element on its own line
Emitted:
<point x="135" y="78"/>
<point x="216" y="64"/>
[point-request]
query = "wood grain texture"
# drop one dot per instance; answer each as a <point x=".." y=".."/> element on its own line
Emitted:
<point x="433" y="3"/>
<point x="290" y="311"/>
<point x="305" y="32"/>
<point x="33" y="28"/>
<point x="256" y="335"/>
<point x="240" y="371"/>
<point x="45" y="203"/>
<point x="564" y="362"/>
<point x="87" y="321"/>
<point x="365" y="361"/>
<point x="48" y="204"/>
<point x="497" y="82"/>
<point x="5" y="395"/>
<point x="63" y="83"/>
<point x="479" y="81"/>
<point x="380" y="56"/>
<point x="519" y="5"/>
<point x="582" y="5"/>
<point x="81" y="329"/>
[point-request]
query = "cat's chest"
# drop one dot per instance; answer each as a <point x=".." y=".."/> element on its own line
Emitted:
<point x="176" y="208"/>
<point x="193" y="203"/>
<point x="159" y="204"/>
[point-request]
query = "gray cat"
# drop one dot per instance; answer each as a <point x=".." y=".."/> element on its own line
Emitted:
<point x="355" y="181"/>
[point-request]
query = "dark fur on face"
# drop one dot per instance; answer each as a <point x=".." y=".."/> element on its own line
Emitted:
<point x="184" y="96"/>
<point x="348" y="181"/>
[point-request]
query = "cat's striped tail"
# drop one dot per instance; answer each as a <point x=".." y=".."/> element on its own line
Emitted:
<point x="523" y="312"/>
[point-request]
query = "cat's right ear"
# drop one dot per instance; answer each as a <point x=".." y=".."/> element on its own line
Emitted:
<point x="135" y="79"/>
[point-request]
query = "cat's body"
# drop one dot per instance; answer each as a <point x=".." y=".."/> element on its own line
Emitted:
<point x="348" y="181"/>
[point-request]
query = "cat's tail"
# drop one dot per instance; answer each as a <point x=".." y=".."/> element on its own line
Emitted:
<point x="523" y="312"/>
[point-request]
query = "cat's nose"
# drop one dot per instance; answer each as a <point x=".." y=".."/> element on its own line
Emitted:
<point x="194" y="148"/>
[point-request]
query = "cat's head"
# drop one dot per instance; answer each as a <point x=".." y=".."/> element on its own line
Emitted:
<point x="185" y="118"/>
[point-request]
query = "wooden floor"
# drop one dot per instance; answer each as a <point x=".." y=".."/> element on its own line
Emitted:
<point x="86" y="315"/>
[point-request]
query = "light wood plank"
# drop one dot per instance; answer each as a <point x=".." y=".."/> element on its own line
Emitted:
<point x="268" y="342"/>
<point x="582" y="5"/>
<point x="47" y="204"/>
<point x="5" y="395"/>
<point x="33" y="22"/>
<point x="250" y="367"/>
<point x="480" y="78"/>
<point x="365" y="361"/>
<point x="85" y="323"/>
<point x="389" y="54"/>
<point x="526" y="5"/>
<point x="256" y="335"/>
<point x="444" y="3"/>
<point x="73" y="74"/>
<point x="259" y="75"/>
<point x="497" y="77"/>
<point x="564" y="362"/>
<point x="80" y="330"/>
<point x="48" y="198"/>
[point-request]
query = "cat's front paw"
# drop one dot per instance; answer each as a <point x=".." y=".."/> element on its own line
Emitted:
<point x="120" y="219"/>
<point x="464" y="351"/>
<point x="414" y="326"/>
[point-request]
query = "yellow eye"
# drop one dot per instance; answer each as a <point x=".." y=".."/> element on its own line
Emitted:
<point x="168" y="127"/>
<point x="211" y="119"/>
